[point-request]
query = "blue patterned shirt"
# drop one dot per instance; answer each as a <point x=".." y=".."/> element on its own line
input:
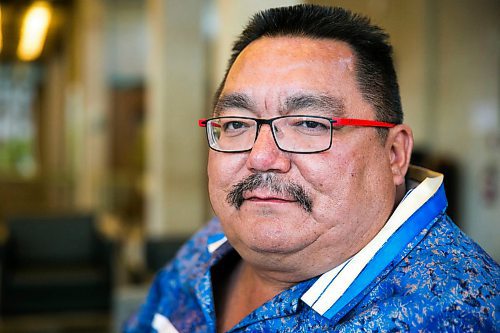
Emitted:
<point x="419" y="273"/>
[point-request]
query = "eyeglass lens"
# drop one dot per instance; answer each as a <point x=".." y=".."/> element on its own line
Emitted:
<point x="291" y="133"/>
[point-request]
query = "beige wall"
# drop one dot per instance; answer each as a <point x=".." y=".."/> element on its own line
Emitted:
<point x="175" y="162"/>
<point x="88" y="105"/>
<point x="466" y="117"/>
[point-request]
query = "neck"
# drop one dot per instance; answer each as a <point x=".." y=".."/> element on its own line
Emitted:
<point x="265" y="284"/>
<point x="240" y="289"/>
<point x="400" y="193"/>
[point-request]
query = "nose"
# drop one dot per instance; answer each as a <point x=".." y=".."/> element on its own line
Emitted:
<point x="265" y="156"/>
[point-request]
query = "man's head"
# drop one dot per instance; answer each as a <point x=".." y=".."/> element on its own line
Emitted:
<point x="375" y="72"/>
<point x="299" y="214"/>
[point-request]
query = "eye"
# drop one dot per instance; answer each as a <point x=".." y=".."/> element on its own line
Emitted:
<point x="311" y="125"/>
<point x="233" y="125"/>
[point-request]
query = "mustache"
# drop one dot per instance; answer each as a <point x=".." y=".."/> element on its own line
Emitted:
<point x="272" y="182"/>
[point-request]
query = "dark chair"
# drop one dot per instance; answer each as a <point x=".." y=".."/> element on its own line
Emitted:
<point x="160" y="251"/>
<point x="55" y="264"/>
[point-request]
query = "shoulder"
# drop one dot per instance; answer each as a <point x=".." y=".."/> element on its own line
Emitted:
<point x="447" y="252"/>
<point x="446" y="281"/>
<point x="172" y="286"/>
<point x="192" y="256"/>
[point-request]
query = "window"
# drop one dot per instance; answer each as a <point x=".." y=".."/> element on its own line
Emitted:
<point x="17" y="126"/>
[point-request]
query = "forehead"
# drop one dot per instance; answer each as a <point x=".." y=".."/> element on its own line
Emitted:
<point x="297" y="48"/>
<point x="270" y="69"/>
<point x="290" y="54"/>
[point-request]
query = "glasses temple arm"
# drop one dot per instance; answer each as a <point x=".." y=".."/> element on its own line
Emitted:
<point x="203" y="123"/>
<point x="361" y="122"/>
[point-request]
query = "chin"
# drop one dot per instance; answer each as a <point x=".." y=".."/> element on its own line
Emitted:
<point x="268" y="230"/>
<point x="272" y="240"/>
<point x="273" y="244"/>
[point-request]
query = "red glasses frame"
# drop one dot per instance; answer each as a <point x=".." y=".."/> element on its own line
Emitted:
<point x="335" y="122"/>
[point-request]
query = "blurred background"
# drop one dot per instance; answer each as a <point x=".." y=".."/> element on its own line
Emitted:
<point x="102" y="165"/>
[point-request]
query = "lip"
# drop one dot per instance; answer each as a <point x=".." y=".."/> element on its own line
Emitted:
<point x="260" y="197"/>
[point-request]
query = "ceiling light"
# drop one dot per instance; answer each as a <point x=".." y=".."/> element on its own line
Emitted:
<point x="34" y="31"/>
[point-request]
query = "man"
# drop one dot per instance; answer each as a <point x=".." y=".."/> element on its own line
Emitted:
<point x="321" y="223"/>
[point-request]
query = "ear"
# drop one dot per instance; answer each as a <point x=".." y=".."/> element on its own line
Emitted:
<point x="400" y="144"/>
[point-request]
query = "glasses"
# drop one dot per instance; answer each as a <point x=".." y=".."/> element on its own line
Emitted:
<point x="295" y="134"/>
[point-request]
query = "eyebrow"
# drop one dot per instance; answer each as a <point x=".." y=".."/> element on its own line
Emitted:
<point x="328" y="105"/>
<point x="331" y="106"/>
<point x="233" y="101"/>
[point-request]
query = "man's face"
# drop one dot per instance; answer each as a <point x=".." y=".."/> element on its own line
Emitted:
<point x="350" y="187"/>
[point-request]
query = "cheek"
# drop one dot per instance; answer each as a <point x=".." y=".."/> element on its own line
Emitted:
<point x="341" y="178"/>
<point x="223" y="170"/>
<point x="329" y="173"/>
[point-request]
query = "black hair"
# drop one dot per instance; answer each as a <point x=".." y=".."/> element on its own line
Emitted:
<point x="374" y="66"/>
